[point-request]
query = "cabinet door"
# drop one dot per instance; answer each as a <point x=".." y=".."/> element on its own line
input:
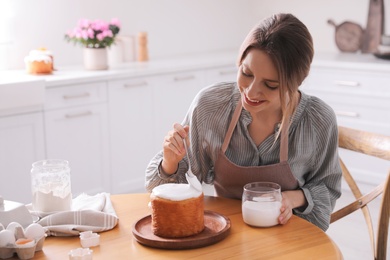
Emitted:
<point x="221" y="74"/>
<point x="131" y="133"/>
<point x="173" y="95"/>
<point x="80" y="135"/>
<point x="22" y="143"/>
<point x="361" y="101"/>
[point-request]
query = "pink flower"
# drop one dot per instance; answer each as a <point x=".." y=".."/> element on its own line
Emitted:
<point x="83" y="23"/>
<point x="107" y="33"/>
<point x="85" y="35"/>
<point x="116" y="22"/>
<point x="78" y="34"/>
<point x="100" y="36"/>
<point x="91" y="33"/>
<point x="70" y="34"/>
<point x="94" y="34"/>
<point x="99" y="25"/>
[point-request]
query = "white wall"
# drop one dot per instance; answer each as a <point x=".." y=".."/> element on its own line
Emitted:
<point x="175" y="27"/>
<point x="315" y="15"/>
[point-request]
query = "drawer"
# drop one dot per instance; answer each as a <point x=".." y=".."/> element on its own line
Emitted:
<point x="380" y="103"/>
<point x="75" y="95"/>
<point x="347" y="81"/>
<point x="129" y="84"/>
<point x="221" y="74"/>
<point x="366" y="113"/>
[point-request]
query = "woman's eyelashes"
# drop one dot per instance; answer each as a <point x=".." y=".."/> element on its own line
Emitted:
<point x="271" y="86"/>
<point x="245" y="73"/>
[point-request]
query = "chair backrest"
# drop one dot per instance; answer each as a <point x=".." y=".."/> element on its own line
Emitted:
<point x="374" y="145"/>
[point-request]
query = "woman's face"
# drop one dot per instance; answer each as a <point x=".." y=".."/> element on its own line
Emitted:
<point x="258" y="83"/>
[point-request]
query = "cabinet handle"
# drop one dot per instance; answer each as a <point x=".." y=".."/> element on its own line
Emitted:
<point x="86" y="113"/>
<point x="82" y="95"/>
<point x="347" y="83"/>
<point x="347" y="114"/>
<point x="137" y="84"/>
<point x="180" y="78"/>
<point x="227" y="72"/>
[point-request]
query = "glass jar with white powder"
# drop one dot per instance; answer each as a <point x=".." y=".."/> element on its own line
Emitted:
<point x="51" y="186"/>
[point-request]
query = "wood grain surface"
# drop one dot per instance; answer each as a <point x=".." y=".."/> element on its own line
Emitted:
<point x="298" y="239"/>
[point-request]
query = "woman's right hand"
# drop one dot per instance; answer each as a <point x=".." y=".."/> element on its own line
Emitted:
<point x="173" y="148"/>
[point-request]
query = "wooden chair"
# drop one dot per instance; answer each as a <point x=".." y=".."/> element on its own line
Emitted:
<point x="373" y="145"/>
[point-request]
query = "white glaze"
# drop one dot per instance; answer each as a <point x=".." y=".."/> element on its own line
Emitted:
<point x="38" y="57"/>
<point x="194" y="182"/>
<point x="40" y="52"/>
<point x="176" y="191"/>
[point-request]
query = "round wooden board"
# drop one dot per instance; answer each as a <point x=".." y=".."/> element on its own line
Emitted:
<point x="217" y="228"/>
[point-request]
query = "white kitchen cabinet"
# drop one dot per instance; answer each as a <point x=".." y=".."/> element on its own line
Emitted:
<point x="131" y="132"/>
<point x="76" y="126"/>
<point x="21" y="144"/>
<point x="360" y="97"/>
<point x="221" y="74"/>
<point x="172" y="97"/>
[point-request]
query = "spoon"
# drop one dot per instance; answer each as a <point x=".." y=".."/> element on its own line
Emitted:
<point x="191" y="178"/>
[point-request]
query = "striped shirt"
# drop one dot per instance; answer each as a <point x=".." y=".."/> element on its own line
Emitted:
<point x="312" y="153"/>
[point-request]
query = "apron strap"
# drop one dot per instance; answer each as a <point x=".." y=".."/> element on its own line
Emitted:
<point x="284" y="142"/>
<point x="283" y="135"/>
<point x="233" y="123"/>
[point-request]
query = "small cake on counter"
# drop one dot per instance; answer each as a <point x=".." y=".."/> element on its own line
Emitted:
<point x="39" y="61"/>
<point x="177" y="210"/>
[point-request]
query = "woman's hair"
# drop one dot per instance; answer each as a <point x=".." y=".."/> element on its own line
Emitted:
<point x="289" y="45"/>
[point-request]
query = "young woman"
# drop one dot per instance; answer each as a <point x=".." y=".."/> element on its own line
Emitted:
<point x="261" y="128"/>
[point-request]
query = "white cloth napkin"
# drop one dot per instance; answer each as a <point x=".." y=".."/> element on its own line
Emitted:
<point x="89" y="213"/>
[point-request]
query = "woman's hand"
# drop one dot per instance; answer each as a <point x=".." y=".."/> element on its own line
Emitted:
<point x="290" y="200"/>
<point x="173" y="148"/>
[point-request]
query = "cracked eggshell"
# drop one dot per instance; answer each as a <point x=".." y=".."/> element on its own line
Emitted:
<point x="13" y="227"/>
<point x="16" y="229"/>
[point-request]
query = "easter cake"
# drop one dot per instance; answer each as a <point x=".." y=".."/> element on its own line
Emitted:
<point x="177" y="210"/>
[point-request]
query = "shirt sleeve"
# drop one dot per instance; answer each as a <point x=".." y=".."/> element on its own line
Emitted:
<point x="322" y="185"/>
<point x="208" y="118"/>
<point x="155" y="176"/>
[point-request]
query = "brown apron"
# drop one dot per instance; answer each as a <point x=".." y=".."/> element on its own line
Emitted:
<point x="230" y="178"/>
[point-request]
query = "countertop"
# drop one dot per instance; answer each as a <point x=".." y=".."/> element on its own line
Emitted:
<point x="77" y="74"/>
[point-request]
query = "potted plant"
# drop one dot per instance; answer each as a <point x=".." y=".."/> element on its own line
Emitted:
<point x="94" y="37"/>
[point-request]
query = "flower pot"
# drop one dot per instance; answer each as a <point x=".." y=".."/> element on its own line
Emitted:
<point x="95" y="58"/>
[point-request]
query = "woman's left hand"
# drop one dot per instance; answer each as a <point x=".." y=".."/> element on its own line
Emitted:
<point x="285" y="209"/>
<point x="290" y="200"/>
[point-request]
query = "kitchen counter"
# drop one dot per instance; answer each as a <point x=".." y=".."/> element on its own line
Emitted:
<point x="77" y="74"/>
<point x="356" y="61"/>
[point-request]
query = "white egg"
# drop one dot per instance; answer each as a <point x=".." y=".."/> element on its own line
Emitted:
<point x="6" y="238"/>
<point x="12" y="226"/>
<point x="34" y="231"/>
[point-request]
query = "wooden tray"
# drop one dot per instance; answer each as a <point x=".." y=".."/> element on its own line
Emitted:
<point x="217" y="228"/>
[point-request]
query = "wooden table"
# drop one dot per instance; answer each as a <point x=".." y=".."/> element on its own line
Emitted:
<point x="298" y="239"/>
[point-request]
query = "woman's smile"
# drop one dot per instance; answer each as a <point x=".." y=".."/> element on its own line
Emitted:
<point x="258" y="81"/>
<point x="253" y="102"/>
